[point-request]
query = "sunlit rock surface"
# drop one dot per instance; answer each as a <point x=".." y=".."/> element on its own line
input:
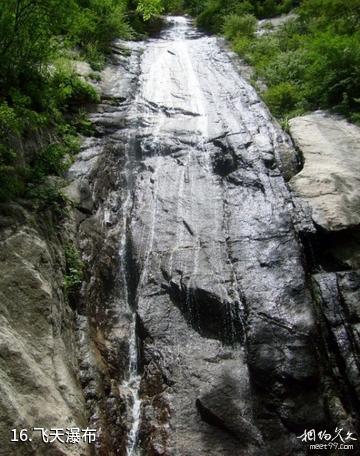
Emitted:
<point x="330" y="179"/>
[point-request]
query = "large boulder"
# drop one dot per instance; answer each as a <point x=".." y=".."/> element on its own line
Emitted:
<point x="330" y="178"/>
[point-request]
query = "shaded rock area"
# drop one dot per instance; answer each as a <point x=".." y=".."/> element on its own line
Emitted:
<point x="207" y="323"/>
<point x="39" y="369"/>
<point x="329" y="184"/>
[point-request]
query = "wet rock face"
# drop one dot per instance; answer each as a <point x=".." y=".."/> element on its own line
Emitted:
<point x="210" y="261"/>
<point x="222" y="292"/>
<point x="196" y="246"/>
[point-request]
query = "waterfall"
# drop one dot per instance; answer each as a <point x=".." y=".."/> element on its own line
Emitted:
<point x="133" y="385"/>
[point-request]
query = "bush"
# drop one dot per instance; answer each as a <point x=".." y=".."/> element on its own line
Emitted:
<point x="94" y="56"/>
<point x="285" y="67"/>
<point x="212" y="13"/>
<point x="333" y="68"/>
<point x="48" y="196"/>
<point x="37" y="93"/>
<point x="70" y="91"/>
<point x="268" y="8"/>
<point x="59" y="91"/>
<point x="241" y="45"/>
<point x="74" y="271"/>
<point x="10" y="180"/>
<point x="236" y="26"/>
<point x="212" y="17"/>
<point x="309" y="63"/>
<point x="282" y="98"/>
<point x="9" y="122"/>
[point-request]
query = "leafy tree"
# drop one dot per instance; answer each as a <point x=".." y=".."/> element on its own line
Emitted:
<point x="36" y="93"/>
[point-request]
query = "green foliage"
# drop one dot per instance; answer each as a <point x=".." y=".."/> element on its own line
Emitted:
<point x="339" y="16"/>
<point x="27" y="31"/>
<point x="149" y="8"/>
<point x="282" y="97"/>
<point x="212" y="14"/>
<point x="241" y="45"/>
<point x="174" y="6"/>
<point x="94" y="56"/>
<point x="236" y="26"/>
<point x="9" y="122"/>
<point x="74" y="270"/>
<point x="59" y="92"/>
<point x="212" y="17"/>
<point x="332" y="74"/>
<point x="11" y="182"/>
<point x="195" y="7"/>
<point x="70" y="91"/>
<point x="96" y="25"/>
<point x="40" y="95"/>
<point x="83" y="124"/>
<point x="48" y="196"/>
<point x="11" y="175"/>
<point x="309" y="63"/>
<point x="95" y="76"/>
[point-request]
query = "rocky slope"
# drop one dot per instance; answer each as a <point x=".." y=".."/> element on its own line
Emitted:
<point x="38" y="364"/>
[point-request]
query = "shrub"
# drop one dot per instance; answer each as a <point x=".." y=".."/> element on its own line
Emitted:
<point x="245" y="7"/>
<point x="69" y="90"/>
<point x="235" y="26"/>
<point x="11" y="180"/>
<point x="282" y="98"/>
<point x="267" y="9"/>
<point x="149" y="8"/>
<point x="94" y="56"/>
<point x="212" y="17"/>
<point x="37" y="94"/>
<point x="48" y="196"/>
<point x="258" y="52"/>
<point x="285" y="67"/>
<point x="174" y="6"/>
<point x="333" y="69"/>
<point x="74" y="271"/>
<point x="95" y="26"/>
<point x="241" y="45"/>
<point x="51" y="160"/>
